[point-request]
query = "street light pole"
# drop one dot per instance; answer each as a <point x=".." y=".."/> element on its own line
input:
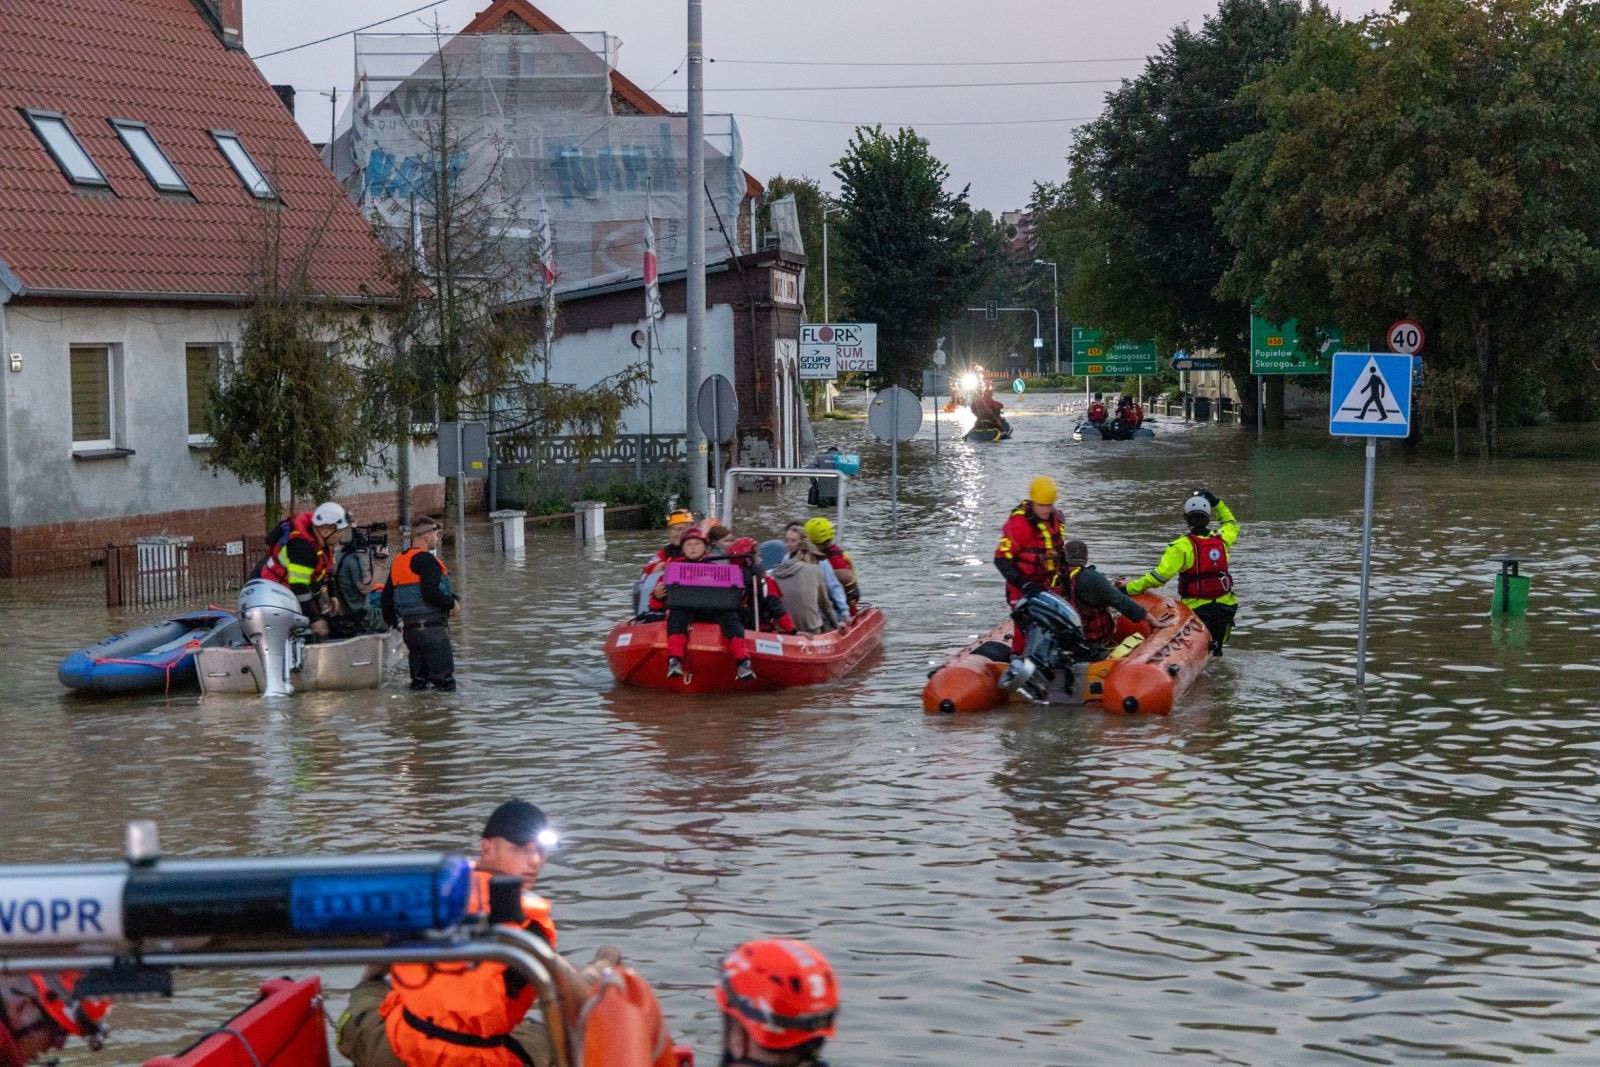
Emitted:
<point x="1055" y="302"/>
<point x="827" y="209"/>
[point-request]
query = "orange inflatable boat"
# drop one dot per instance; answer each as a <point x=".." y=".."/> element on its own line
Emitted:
<point x="1144" y="673"/>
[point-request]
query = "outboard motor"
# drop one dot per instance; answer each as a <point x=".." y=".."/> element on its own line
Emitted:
<point x="270" y="614"/>
<point x="1054" y="635"/>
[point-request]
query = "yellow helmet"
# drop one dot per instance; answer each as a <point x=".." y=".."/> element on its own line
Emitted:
<point x="819" y="531"/>
<point x="1042" y="490"/>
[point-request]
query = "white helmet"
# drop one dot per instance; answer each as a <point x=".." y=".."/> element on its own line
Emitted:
<point x="1197" y="505"/>
<point x="330" y="514"/>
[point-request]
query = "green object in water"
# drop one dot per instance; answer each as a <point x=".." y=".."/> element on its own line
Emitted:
<point x="1510" y="594"/>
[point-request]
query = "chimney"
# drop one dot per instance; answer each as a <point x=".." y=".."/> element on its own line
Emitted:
<point x="285" y="94"/>
<point x="227" y="21"/>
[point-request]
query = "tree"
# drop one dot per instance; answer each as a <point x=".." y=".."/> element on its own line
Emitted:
<point x="1440" y="161"/>
<point x="1133" y="226"/>
<point x="905" y="245"/>
<point x="285" y="408"/>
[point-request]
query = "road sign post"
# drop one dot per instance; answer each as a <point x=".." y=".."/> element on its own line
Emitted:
<point x="938" y="391"/>
<point x="895" y="416"/>
<point x="1371" y="398"/>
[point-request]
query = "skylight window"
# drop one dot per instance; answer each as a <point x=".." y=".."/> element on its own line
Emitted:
<point x="154" y="162"/>
<point x="52" y="129"/>
<point x="254" y="181"/>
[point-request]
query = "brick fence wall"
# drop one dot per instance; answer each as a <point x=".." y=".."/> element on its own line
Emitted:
<point x="205" y="525"/>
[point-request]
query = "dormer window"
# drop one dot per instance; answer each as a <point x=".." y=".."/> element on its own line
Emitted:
<point x="233" y="151"/>
<point x="51" y="128"/>
<point x="141" y="145"/>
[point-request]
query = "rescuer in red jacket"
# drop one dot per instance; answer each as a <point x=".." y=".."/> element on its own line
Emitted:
<point x="1030" y="552"/>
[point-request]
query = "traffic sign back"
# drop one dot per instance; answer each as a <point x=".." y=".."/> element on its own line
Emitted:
<point x="895" y="414"/>
<point x="1370" y="396"/>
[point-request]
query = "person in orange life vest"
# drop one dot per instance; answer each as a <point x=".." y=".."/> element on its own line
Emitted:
<point x="418" y="596"/>
<point x="779" y="1000"/>
<point x="1029" y="555"/>
<point x="38" y="1013"/>
<point x="302" y="558"/>
<point x="820" y="531"/>
<point x="695" y="547"/>
<point x="462" y="1015"/>
<point x="1199" y="560"/>
<point x="774" y="616"/>
<point x="1094" y="595"/>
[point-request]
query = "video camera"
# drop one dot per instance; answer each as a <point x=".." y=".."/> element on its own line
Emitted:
<point x="373" y="536"/>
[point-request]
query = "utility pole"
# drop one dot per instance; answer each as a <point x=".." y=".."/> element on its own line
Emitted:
<point x="1055" y="302"/>
<point x="695" y="281"/>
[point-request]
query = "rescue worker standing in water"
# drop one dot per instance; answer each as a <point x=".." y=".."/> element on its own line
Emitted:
<point x="39" y="1012"/>
<point x="1199" y="560"/>
<point x="462" y="1015"/>
<point x="1029" y="554"/>
<point x="778" y="1001"/>
<point x="302" y="558"/>
<point x="418" y="596"/>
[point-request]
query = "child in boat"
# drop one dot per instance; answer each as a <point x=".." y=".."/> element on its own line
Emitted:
<point x="774" y="616"/>
<point x="695" y="547"/>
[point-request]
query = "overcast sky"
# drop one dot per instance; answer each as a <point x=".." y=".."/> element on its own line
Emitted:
<point x="765" y="69"/>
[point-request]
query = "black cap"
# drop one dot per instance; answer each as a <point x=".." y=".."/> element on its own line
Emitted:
<point x="517" y="821"/>
<point x="1076" y="552"/>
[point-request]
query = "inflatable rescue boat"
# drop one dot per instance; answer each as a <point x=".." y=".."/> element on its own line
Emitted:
<point x="285" y="1027"/>
<point x="150" y="659"/>
<point x="637" y="653"/>
<point x="1143" y="673"/>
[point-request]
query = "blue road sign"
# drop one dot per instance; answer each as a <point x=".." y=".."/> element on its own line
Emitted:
<point x="1371" y="395"/>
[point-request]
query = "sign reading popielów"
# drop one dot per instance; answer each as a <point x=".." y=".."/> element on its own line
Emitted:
<point x="1091" y="355"/>
<point x="1275" y="348"/>
<point x="852" y="345"/>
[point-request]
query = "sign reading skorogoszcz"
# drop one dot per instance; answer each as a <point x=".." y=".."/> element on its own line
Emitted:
<point x="1091" y="355"/>
<point x="852" y="346"/>
<point x="1275" y="348"/>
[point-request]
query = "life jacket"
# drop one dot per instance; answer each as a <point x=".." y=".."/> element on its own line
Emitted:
<point x="1098" y="626"/>
<point x="1035" y="545"/>
<point x="845" y="569"/>
<point x="408" y="602"/>
<point x="1097" y="412"/>
<point x="620" y="1024"/>
<point x="462" y="1014"/>
<point x="1208" y="578"/>
<point x="276" y="566"/>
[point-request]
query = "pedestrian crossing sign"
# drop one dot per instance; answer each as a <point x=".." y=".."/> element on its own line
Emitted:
<point x="1371" y="395"/>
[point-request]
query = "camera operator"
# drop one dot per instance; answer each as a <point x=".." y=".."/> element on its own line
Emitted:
<point x="353" y="578"/>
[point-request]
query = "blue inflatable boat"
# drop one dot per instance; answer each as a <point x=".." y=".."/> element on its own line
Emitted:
<point x="152" y="659"/>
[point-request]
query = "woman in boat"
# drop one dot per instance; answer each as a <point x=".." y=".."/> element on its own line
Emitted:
<point x="804" y="586"/>
<point x="695" y="547"/>
<point x="793" y="534"/>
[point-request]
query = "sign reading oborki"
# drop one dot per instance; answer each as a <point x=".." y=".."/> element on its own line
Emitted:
<point x="845" y="346"/>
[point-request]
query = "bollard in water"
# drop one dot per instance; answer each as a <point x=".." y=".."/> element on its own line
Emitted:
<point x="1510" y="587"/>
<point x="589" y="520"/>
<point x="509" y="530"/>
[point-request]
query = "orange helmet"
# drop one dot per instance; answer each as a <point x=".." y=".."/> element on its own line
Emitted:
<point x="782" y="992"/>
<point x="53" y="993"/>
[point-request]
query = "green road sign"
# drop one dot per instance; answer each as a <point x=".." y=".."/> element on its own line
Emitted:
<point x="1275" y="349"/>
<point x="1091" y="356"/>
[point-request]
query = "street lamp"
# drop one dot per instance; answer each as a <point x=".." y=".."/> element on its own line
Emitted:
<point x="827" y="210"/>
<point x="1055" y="302"/>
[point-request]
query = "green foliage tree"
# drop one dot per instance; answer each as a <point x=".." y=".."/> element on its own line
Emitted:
<point x="905" y="243"/>
<point x="284" y="410"/>
<point x="1442" y="161"/>
<point x="1133" y="226"/>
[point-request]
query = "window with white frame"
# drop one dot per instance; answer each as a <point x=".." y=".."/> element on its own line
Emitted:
<point x="65" y="148"/>
<point x="243" y="165"/>
<point x="93" y="389"/>
<point x="141" y="144"/>
<point x="203" y="367"/>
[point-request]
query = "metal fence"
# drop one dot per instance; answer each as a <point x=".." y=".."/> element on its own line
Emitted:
<point x="640" y="453"/>
<point x="173" y="570"/>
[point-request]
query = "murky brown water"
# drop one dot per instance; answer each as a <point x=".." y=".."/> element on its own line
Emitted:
<point x="1277" y="873"/>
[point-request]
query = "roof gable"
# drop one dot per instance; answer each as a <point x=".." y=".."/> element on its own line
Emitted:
<point x="157" y="62"/>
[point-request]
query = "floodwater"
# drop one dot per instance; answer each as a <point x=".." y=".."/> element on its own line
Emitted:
<point x="1279" y="872"/>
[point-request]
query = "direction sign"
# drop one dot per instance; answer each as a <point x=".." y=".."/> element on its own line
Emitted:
<point x="1090" y="354"/>
<point x="895" y="414"/>
<point x="1184" y="361"/>
<point x="854" y="345"/>
<point x="1371" y="395"/>
<point x="1275" y="348"/>
<point x="1405" y="336"/>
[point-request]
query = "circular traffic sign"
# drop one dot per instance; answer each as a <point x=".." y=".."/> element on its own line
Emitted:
<point x="1018" y="385"/>
<point x="1405" y="337"/>
<point x="895" y="414"/>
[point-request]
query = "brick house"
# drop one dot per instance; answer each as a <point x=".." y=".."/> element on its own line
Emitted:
<point x="141" y="154"/>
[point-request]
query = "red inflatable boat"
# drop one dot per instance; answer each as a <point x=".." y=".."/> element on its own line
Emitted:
<point x="1145" y="673"/>
<point x="637" y="652"/>
<point x="285" y="1028"/>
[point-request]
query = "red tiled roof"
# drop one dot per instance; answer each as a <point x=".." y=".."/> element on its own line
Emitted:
<point x="158" y="62"/>
<point x="489" y="19"/>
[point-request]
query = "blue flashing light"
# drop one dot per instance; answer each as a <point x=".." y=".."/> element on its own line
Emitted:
<point x="380" y="902"/>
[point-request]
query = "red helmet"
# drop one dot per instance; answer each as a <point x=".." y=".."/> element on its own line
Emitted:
<point x="694" y="533"/>
<point x="53" y="993"/>
<point x="782" y="992"/>
<point x="742" y="546"/>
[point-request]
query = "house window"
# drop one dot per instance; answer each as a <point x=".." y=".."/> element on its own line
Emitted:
<point x="51" y="128"/>
<point x="234" y="152"/>
<point x="141" y="145"/>
<point x="202" y="368"/>
<point x="93" y="397"/>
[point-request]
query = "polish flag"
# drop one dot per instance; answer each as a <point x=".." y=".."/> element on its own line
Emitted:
<point x="652" y="289"/>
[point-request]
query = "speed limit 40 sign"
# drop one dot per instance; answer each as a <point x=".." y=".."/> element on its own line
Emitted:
<point x="1406" y="337"/>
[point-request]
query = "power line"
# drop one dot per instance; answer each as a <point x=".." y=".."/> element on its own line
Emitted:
<point x="876" y="122"/>
<point x="347" y="33"/>
<point x="918" y="85"/>
<point x="928" y="63"/>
